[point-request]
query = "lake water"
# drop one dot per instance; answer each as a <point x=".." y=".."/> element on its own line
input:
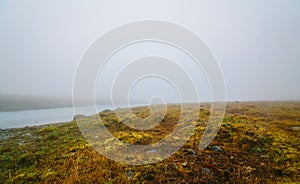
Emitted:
<point x="16" y="119"/>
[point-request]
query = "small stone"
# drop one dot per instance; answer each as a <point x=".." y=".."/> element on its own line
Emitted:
<point x="217" y="148"/>
<point x="206" y="171"/>
<point x="296" y="128"/>
<point x="20" y="143"/>
<point x="184" y="164"/>
<point x="175" y="165"/>
<point x="249" y="169"/>
<point x="190" y="151"/>
<point x="129" y="175"/>
<point x="4" y="137"/>
<point x="28" y="134"/>
<point x="68" y="155"/>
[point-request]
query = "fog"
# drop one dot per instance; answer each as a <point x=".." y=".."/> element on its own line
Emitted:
<point x="256" y="43"/>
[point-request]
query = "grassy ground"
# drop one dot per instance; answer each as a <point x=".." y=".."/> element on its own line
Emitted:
<point x="259" y="143"/>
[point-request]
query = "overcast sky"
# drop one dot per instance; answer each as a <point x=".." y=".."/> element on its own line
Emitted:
<point x="257" y="43"/>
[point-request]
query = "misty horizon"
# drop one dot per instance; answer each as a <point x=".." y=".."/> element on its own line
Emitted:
<point x="256" y="45"/>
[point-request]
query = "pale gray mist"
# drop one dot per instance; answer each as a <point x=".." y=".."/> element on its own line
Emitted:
<point x="257" y="44"/>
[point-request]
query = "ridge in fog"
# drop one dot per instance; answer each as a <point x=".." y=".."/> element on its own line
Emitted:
<point x="31" y="102"/>
<point x="26" y="102"/>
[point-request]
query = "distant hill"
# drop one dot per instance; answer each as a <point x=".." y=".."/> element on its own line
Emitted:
<point x="23" y="102"/>
<point x="19" y="102"/>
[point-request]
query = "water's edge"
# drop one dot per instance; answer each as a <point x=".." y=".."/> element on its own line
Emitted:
<point x="23" y="118"/>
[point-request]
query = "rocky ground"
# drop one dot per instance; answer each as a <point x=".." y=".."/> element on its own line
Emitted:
<point x="258" y="142"/>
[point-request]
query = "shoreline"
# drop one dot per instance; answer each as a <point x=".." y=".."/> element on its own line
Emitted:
<point x="207" y="104"/>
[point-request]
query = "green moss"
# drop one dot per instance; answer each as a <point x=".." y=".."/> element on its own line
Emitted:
<point x="48" y="129"/>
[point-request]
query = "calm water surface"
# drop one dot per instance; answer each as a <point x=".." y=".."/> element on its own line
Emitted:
<point x="16" y="119"/>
